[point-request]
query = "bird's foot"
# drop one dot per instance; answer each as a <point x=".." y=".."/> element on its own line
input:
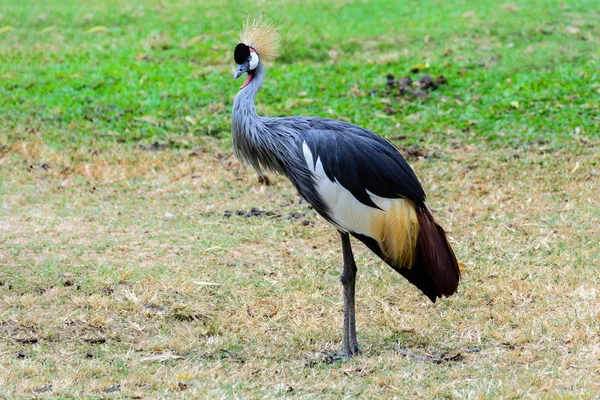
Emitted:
<point x="344" y="356"/>
<point x="352" y="350"/>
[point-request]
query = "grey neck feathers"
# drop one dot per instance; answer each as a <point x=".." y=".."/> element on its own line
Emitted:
<point x="253" y="141"/>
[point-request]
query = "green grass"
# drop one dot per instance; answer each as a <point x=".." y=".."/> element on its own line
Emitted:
<point x="109" y="251"/>
<point x="169" y="60"/>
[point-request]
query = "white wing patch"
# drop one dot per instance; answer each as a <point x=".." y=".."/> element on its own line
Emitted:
<point x="394" y="225"/>
<point x="347" y="212"/>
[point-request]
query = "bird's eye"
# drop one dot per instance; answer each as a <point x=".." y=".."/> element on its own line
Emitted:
<point x="249" y="58"/>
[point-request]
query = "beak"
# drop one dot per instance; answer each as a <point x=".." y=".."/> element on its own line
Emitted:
<point x="245" y="67"/>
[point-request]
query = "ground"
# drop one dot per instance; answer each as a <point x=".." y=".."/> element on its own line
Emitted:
<point x="139" y="259"/>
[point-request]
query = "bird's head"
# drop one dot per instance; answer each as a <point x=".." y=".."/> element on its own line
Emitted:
<point x="259" y="40"/>
<point x="247" y="60"/>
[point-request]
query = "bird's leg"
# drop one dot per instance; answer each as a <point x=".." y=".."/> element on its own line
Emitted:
<point x="348" y="279"/>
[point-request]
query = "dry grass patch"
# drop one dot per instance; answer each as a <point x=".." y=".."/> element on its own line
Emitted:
<point x="123" y="273"/>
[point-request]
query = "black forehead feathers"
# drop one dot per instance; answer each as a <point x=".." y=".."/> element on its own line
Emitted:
<point x="241" y="53"/>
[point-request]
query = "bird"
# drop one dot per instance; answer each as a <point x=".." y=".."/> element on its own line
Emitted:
<point x="353" y="178"/>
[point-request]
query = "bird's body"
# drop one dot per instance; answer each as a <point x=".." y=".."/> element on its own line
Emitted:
<point x="357" y="181"/>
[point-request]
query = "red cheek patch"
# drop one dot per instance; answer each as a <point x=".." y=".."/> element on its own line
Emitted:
<point x="247" y="81"/>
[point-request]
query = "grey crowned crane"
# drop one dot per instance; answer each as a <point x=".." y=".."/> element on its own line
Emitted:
<point x="352" y="177"/>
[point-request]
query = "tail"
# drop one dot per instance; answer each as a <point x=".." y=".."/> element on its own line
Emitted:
<point x="435" y="270"/>
<point x="408" y="238"/>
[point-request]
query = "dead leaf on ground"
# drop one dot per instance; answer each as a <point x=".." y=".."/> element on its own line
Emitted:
<point x="98" y="29"/>
<point x="157" y="41"/>
<point x="148" y="118"/>
<point x="190" y="120"/>
<point x="267" y="308"/>
<point x="194" y="40"/>
<point x="355" y="91"/>
<point x="160" y="358"/>
<point x="203" y="283"/>
<point x="510" y="7"/>
<point x="398" y="137"/>
<point x="415" y="153"/>
<point x="143" y="57"/>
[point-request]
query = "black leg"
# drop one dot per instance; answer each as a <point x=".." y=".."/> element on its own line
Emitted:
<point x="348" y="279"/>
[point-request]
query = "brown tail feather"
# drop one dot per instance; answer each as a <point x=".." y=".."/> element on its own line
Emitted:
<point x="435" y="270"/>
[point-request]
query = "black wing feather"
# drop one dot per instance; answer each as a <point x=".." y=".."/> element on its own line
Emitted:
<point x="361" y="161"/>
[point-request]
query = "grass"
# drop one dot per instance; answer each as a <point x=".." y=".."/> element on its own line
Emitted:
<point x="123" y="275"/>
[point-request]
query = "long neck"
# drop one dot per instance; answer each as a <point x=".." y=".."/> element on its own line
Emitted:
<point x="243" y="106"/>
<point x="253" y="142"/>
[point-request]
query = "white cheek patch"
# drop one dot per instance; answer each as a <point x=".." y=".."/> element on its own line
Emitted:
<point x="253" y="60"/>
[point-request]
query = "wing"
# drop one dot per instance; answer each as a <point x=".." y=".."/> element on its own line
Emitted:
<point x="362" y="162"/>
<point x="359" y="177"/>
<point x="360" y="183"/>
